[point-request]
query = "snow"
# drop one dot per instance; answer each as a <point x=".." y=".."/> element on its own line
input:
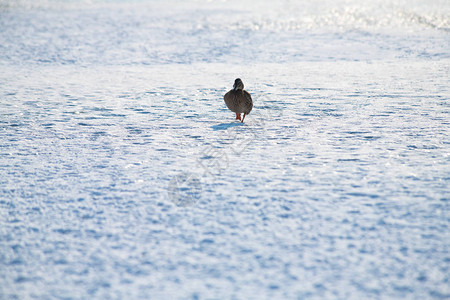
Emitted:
<point x="124" y="175"/>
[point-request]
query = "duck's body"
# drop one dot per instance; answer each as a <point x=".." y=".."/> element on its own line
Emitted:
<point x="238" y="100"/>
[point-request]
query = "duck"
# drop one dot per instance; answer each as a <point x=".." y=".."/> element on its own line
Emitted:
<point x="239" y="100"/>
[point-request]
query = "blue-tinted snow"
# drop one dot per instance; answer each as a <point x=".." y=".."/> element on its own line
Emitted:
<point x="123" y="175"/>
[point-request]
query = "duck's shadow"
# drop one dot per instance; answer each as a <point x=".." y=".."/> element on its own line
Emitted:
<point x="225" y="126"/>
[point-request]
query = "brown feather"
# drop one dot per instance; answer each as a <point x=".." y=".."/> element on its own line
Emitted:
<point x="238" y="101"/>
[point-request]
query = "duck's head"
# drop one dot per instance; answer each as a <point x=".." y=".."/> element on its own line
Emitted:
<point x="238" y="84"/>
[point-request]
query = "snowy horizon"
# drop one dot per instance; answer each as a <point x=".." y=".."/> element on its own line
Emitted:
<point x="125" y="176"/>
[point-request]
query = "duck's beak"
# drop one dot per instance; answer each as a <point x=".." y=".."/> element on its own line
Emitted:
<point x="234" y="87"/>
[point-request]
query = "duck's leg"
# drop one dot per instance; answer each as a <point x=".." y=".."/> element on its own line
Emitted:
<point x="238" y="116"/>
<point x="243" y="118"/>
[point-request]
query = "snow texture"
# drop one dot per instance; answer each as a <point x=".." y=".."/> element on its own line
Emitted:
<point x="124" y="175"/>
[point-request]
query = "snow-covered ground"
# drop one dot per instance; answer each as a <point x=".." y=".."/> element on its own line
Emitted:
<point x="124" y="175"/>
